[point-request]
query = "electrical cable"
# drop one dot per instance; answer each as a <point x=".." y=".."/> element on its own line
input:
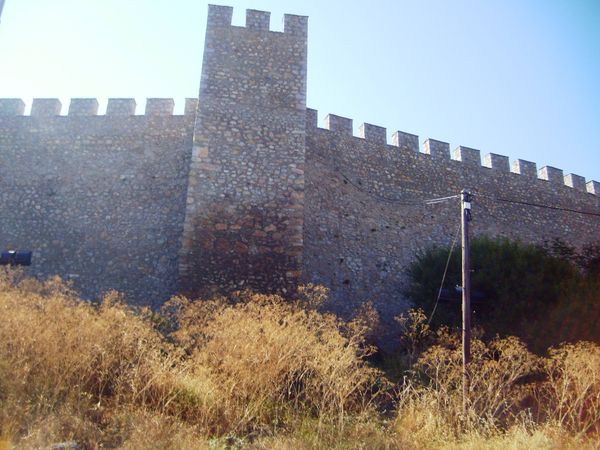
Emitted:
<point x="378" y="196"/>
<point x="539" y="205"/>
<point x="433" y="201"/>
<point x="396" y="201"/>
<point x="442" y="199"/>
<point x="444" y="276"/>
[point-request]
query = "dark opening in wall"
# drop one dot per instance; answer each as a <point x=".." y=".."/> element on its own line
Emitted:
<point x="346" y="281"/>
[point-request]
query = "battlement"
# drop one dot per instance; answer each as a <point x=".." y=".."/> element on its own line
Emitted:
<point x="82" y="107"/>
<point x="45" y="107"/>
<point x="221" y="17"/>
<point x="437" y="150"/>
<point x="12" y="107"/>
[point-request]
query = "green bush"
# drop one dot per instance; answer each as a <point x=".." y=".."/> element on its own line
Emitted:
<point x="521" y="285"/>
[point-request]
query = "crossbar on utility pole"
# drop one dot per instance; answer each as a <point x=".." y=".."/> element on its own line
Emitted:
<point x="465" y="209"/>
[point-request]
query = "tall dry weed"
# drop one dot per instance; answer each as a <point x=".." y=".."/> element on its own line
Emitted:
<point x="64" y="358"/>
<point x="572" y="393"/>
<point x="499" y="375"/>
<point x="60" y="347"/>
<point x="256" y="371"/>
<point x="271" y="357"/>
<point x="509" y="387"/>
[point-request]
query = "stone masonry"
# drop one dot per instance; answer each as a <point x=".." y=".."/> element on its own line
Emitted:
<point x="245" y="200"/>
<point x="99" y="199"/>
<point x="365" y="218"/>
<point x="246" y="190"/>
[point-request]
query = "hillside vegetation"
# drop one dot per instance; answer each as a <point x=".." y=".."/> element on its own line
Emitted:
<point x="255" y="371"/>
<point x="545" y="295"/>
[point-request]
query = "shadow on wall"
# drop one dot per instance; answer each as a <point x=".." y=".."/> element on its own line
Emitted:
<point x="241" y="247"/>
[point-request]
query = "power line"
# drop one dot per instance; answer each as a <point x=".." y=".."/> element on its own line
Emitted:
<point x="396" y="201"/>
<point x="434" y="201"/>
<point x="539" y="205"/>
<point x="431" y="201"/>
<point x="444" y="276"/>
<point x="383" y="198"/>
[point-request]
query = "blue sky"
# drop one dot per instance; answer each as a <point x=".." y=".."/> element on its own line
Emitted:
<point x="514" y="77"/>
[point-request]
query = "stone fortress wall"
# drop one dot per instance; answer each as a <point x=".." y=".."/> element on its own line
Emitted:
<point x="365" y="218"/>
<point x="245" y="189"/>
<point x="246" y="184"/>
<point x="100" y="199"/>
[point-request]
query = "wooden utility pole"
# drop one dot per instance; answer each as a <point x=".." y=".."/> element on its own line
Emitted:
<point x="465" y="209"/>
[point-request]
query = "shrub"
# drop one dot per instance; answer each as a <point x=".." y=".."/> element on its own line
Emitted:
<point x="271" y="357"/>
<point x="572" y="394"/>
<point x="498" y="375"/>
<point x="508" y="387"/>
<point x="574" y="317"/>
<point x="587" y="259"/>
<point x="254" y="371"/>
<point x="62" y="358"/>
<point x="520" y="283"/>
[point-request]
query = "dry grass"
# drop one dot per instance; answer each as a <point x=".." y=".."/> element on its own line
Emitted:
<point x="255" y="371"/>
<point x="68" y="365"/>
<point x="572" y="393"/>
<point x="271" y="358"/>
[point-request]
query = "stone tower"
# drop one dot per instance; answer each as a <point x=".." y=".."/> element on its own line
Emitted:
<point x="245" y="202"/>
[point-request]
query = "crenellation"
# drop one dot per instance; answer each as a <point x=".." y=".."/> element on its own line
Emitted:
<point x="436" y="149"/>
<point x="219" y="16"/>
<point x="121" y="107"/>
<point x="83" y="107"/>
<point x="338" y="124"/>
<point x="297" y="25"/>
<point x="551" y="174"/>
<point x="258" y="20"/>
<point x="593" y="187"/>
<point x="496" y="162"/>
<point x="525" y="168"/>
<point x="12" y="107"/>
<point x="191" y="105"/>
<point x="312" y="118"/>
<point x="372" y="133"/>
<point x="467" y="155"/>
<point x="159" y="106"/>
<point x="44" y="107"/>
<point x="575" y="181"/>
<point x="406" y="141"/>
